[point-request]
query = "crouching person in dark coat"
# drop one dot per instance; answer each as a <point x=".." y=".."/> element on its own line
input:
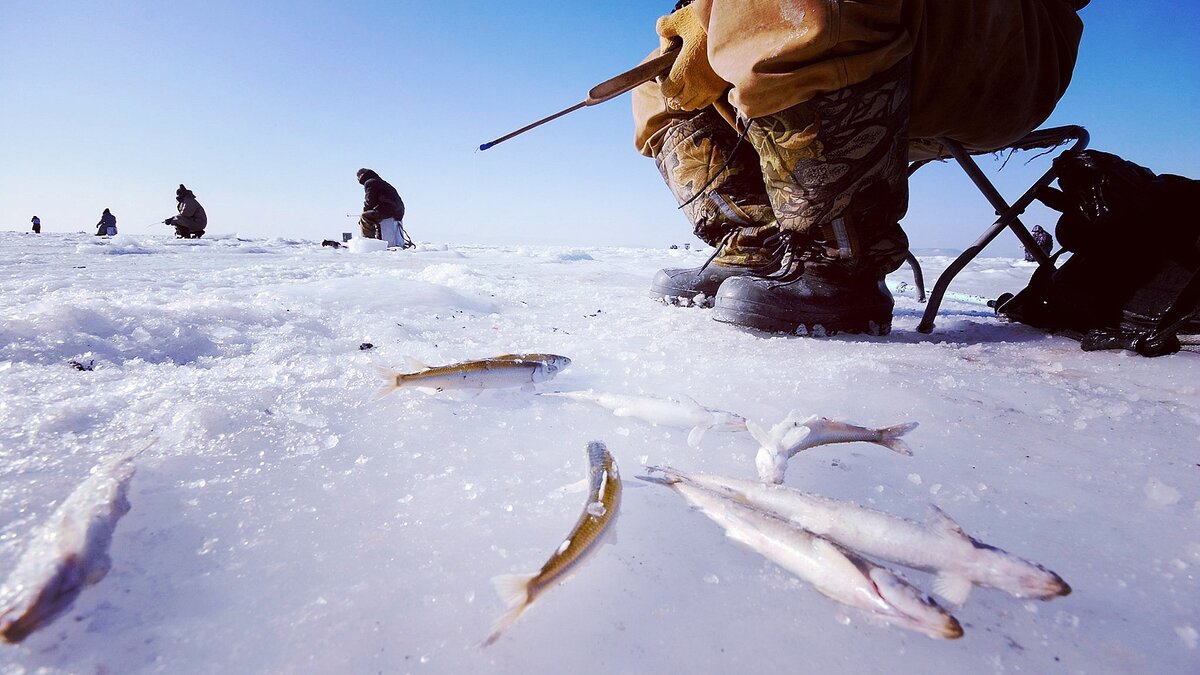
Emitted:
<point x="192" y="220"/>
<point x="383" y="210"/>
<point x="107" y="226"/>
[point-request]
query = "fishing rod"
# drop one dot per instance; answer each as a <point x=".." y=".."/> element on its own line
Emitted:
<point x="606" y="90"/>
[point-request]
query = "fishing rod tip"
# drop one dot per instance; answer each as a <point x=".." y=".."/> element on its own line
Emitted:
<point x="485" y="146"/>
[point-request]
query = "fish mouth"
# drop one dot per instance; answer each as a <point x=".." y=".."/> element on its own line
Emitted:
<point x="912" y="610"/>
<point x="1052" y="587"/>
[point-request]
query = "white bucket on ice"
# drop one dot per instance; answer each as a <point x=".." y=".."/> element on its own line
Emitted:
<point x="364" y="245"/>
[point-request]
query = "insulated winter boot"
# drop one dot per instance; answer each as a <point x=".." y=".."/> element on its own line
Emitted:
<point x="746" y="251"/>
<point x="717" y="180"/>
<point x="836" y="172"/>
<point x="807" y="296"/>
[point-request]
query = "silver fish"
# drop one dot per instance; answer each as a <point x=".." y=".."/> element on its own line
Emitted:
<point x="519" y="591"/>
<point x="837" y="573"/>
<point x="794" y="435"/>
<point x="68" y="553"/>
<point x="510" y="370"/>
<point x="682" y="413"/>
<point x="939" y="546"/>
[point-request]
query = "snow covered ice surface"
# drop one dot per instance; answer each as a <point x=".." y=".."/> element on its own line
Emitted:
<point x="285" y="523"/>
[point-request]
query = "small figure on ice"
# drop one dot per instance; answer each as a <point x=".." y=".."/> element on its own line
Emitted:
<point x="192" y="219"/>
<point x="383" y="211"/>
<point x="107" y="227"/>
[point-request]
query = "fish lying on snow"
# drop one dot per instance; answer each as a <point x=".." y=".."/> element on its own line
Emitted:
<point x="510" y="370"/>
<point x="519" y="591"/>
<point x="837" y="573"/>
<point x="939" y="546"/>
<point x="794" y="435"/>
<point x="683" y="413"/>
<point x="68" y="553"/>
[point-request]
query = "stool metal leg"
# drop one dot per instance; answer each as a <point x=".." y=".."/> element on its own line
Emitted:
<point x="1009" y="217"/>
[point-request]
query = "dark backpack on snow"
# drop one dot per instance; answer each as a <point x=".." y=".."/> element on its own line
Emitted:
<point x="1132" y="280"/>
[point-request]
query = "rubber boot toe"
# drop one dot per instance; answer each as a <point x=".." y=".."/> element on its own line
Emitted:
<point x="806" y="305"/>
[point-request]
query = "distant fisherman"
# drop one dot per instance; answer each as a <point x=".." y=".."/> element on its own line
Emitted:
<point x="107" y="227"/>
<point x="192" y="220"/>
<point x="383" y="210"/>
<point x="519" y="591"/>
<point x="510" y="370"/>
<point x="68" y="553"/>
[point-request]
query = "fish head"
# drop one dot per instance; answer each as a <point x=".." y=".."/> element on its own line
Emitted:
<point x="553" y="363"/>
<point x="56" y="595"/>
<point x="909" y="607"/>
<point x="771" y="465"/>
<point x="1018" y="576"/>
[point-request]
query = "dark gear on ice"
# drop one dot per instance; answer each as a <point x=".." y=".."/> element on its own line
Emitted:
<point x="107" y="226"/>
<point x="1044" y="239"/>
<point x="192" y="219"/>
<point x="816" y="136"/>
<point x="37" y="225"/>
<point x="383" y="210"/>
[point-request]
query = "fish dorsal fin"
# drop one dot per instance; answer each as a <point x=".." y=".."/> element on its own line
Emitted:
<point x="943" y="524"/>
<point x="695" y="436"/>
<point x="794" y="418"/>
<point x="758" y="434"/>
<point x="951" y="587"/>
<point x="690" y="402"/>
<point x="794" y="437"/>
<point x="414" y="364"/>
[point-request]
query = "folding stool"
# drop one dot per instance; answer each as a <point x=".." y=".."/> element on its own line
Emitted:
<point x="1009" y="215"/>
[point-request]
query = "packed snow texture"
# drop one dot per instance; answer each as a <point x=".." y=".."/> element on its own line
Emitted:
<point x="284" y="522"/>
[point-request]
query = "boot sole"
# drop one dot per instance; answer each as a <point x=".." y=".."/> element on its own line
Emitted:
<point x="750" y="315"/>
<point x="699" y="300"/>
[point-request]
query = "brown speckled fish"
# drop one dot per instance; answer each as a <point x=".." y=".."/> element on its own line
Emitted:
<point x="604" y="498"/>
<point x="510" y="370"/>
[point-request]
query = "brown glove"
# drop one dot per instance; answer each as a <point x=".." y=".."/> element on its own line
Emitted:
<point x="691" y="84"/>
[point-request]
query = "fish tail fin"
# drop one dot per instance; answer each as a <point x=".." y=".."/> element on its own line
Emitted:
<point x="891" y="438"/>
<point x="502" y="624"/>
<point x="392" y="381"/>
<point x="668" y="478"/>
<point x="513" y="590"/>
<point x="670" y="474"/>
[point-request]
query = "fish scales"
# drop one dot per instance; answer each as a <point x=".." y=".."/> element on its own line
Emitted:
<point x="599" y="513"/>
<point x="604" y="489"/>
<point x="508" y="370"/>
<point x="939" y="546"/>
<point x="835" y="572"/>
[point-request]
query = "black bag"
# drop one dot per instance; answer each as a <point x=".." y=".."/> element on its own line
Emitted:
<point x="1132" y="280"/>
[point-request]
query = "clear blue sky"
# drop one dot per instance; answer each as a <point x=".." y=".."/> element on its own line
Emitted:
<point x="266" y="110"/>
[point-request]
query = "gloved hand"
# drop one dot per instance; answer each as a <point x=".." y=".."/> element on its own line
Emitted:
<point x="691" y="84"/>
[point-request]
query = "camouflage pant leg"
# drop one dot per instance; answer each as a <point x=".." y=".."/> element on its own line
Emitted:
<point x="732" y="207"/>
<point x="837" y="174"/>
<point x="368" y="228"/>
